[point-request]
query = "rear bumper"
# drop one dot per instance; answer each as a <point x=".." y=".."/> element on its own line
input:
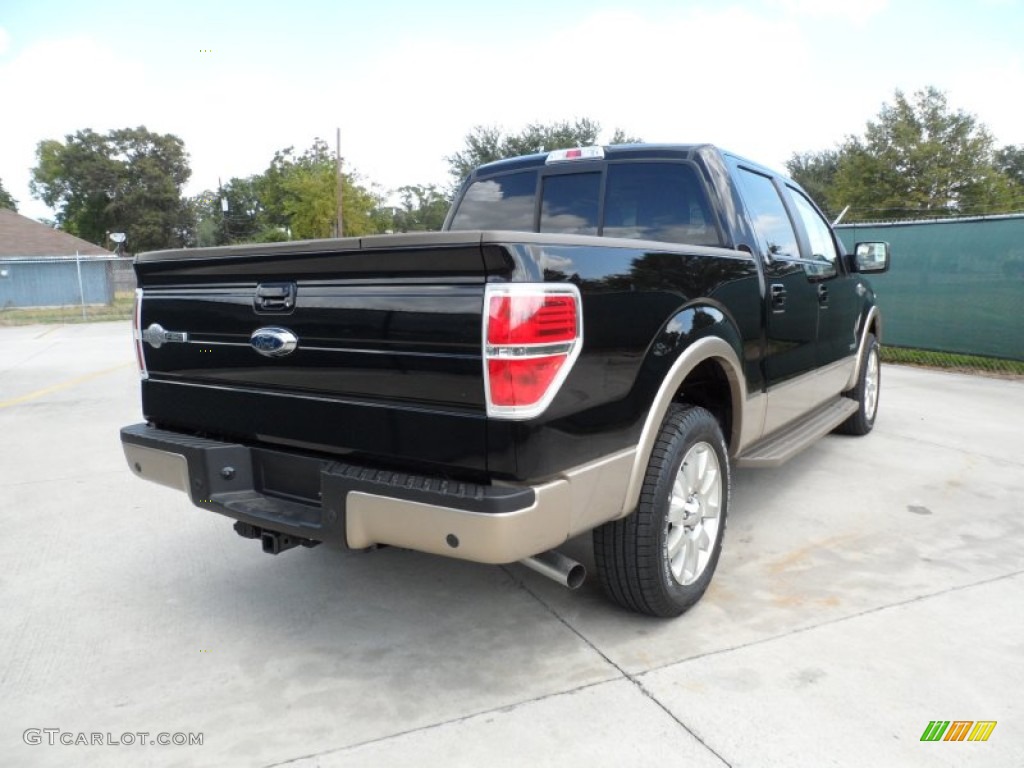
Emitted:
<point x="313" y="498"/>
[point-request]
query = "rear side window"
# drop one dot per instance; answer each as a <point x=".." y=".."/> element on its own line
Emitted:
<point x="570" y="203"/>
<point x="504" y="202"/>
<point x="658" y="201"/>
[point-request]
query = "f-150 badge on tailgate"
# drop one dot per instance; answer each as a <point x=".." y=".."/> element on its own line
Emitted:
<point x="156" y="336"/>
<point x="274" y="342"/>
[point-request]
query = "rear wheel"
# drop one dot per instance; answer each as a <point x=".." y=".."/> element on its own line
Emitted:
<point x="661" y="558"/>
<point x="869" y="384"/>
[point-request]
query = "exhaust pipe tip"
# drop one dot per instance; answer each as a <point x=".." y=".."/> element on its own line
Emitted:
<point x="576" y="576"/>
<point x="557" y="567"/>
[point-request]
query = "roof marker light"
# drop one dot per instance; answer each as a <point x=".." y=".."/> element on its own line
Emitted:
<point x="577" y="153"/>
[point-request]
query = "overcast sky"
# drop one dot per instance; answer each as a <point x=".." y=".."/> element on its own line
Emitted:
<point x="405" y="81"/>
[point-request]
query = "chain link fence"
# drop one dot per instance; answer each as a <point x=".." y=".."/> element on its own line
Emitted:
<point x="123" y="275"/>
<point x="65" y="289"/>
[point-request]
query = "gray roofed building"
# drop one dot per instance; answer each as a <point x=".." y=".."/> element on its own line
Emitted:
<point x="44" y="267"/>
<point x="22" y="236"/>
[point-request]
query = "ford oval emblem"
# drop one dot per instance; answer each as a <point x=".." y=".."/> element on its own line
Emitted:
<point x="274" y="342"/>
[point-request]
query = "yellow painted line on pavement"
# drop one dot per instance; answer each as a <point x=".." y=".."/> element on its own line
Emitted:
<point x="63" y="385"/>
<point x="47" y="333"/>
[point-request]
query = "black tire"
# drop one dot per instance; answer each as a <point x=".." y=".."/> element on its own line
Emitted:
<point x="866" y="393"/>
<point x="632" y="555"/>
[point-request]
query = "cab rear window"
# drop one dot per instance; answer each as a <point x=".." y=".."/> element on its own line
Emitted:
<point x="570" y="203"/>
<point x="642" y="200"/>
<point x="502" y="202"/>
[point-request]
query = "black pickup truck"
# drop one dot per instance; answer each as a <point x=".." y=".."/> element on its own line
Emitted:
<point x="592" y="343"/>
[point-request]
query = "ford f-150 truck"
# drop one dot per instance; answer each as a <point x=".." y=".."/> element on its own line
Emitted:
<point x="592" y="343"/>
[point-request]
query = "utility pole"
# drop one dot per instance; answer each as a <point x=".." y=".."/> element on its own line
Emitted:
<point x="337" y="164"/>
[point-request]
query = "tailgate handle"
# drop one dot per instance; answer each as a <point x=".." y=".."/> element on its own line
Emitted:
<point x="274" y="297"/>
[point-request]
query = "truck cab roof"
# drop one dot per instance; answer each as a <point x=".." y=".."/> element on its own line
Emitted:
<point x="615" y="152"/>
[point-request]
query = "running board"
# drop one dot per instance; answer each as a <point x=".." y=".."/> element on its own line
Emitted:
<point x="783" y="445"/>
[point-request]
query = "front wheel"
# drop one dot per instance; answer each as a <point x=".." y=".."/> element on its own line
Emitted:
<point x="869" y="384"/>
<point x="660" y="559"/>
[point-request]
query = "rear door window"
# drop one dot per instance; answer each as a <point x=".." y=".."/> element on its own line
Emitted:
<point x="658" y="201"/>
<point x="823" y="256"/>
<point x="771" y="222"/>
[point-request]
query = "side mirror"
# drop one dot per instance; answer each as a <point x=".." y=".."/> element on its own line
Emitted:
<point x="870" y="257"/>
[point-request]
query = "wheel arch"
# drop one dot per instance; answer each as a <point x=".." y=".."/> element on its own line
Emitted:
<point x="871" y="324"/>
<point x="707" y="360"/>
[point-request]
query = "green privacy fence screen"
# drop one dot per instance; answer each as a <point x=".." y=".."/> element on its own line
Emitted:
<point x="955" y="285"/>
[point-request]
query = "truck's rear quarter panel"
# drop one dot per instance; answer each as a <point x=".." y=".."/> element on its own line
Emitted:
<point x="631" y="293"/>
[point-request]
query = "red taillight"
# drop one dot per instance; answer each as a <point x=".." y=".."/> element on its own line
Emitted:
<point x="140" y="355"/>
<point x="536" y="319"/>
<point x="522" y="381"/>
<point x="532" y="336"/>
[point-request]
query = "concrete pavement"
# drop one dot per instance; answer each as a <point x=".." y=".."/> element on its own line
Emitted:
<point x="868" y="587"/>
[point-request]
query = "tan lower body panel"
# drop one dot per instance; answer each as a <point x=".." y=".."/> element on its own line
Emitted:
<point x="162" y="467"/>
<point x="798" y="435"/>
<point x="792" y="400"/>
<point x="580" y="500"/>
<point x="577" y="501"/>
<point x="834" y="377"/>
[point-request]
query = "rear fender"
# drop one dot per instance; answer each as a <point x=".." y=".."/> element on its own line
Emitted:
<point x="871" y="322"/>
<point x="694" y="336"/>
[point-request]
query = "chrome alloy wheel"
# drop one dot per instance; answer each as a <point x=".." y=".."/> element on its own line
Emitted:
<point x="871" y="379"/>
<point x="693" y="509"/>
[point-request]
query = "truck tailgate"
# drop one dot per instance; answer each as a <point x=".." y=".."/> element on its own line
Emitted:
<point x="386" y="362"/>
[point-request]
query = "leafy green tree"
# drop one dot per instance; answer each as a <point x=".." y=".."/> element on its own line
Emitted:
<point x="6" y="201"/>
<point x="815" y="172"/>
<point x="128" y="180"/>
<point x="207" y="230"/>
<point x="232" y="214"/>
<point x="295" y="198"/>
<point x="363" y="214"/>
<point x="485" y="144"/>
<point x="423" y="209"/>
<point x="919" y="157"/>
<point x="240" y="210"/>
<point x="79" y="179"/>
<point x="621" y="137"/>
<point x="1010" y="160"/>
<point x="300" y="193"/>
<point x="309" y="192"/>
